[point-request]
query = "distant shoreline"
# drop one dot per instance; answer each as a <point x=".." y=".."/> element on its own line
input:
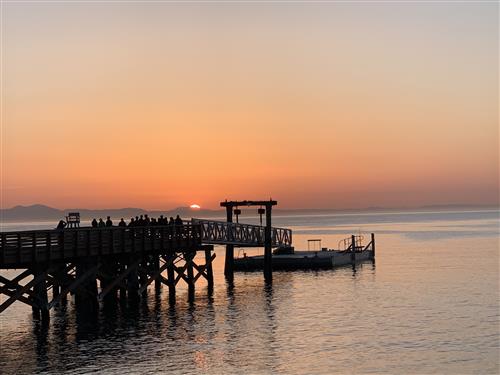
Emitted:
<point x="41" y="213"/>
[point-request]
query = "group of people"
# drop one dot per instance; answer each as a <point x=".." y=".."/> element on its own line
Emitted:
<point x="138" y="221"/>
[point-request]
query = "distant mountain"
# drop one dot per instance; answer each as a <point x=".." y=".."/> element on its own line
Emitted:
<point x="39" y="212"/>
<point x="33" y="212"/>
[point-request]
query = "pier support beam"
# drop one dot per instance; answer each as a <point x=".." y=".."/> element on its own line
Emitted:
<point x="132" y="278"/>
<point x="373" y="245"/>
<point x="229" y="263"/>
<point x="107" y="274"/>
<point x="209" y="270"/>
<point x="189" y="257"/>
<point x="268" y="254"/>
<point x="171" y="281"/>
<point x="86" y="292"/>
<point x="41" y="307"/>
<point x="353" y="249"/>
<point x="156" y="268"/>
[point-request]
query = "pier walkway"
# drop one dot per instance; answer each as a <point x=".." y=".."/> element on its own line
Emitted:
<point x="24" y="248"/>
<point x="123" y="260"/>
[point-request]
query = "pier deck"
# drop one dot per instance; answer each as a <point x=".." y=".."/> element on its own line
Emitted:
<point x="123" y="260"/>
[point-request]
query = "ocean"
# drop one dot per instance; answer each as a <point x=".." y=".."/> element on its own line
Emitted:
<point x="428" y="304"/>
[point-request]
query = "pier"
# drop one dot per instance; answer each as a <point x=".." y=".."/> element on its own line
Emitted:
<point x="124" y="261"/>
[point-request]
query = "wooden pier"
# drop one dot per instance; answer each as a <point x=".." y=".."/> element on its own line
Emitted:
<point x="124" y="261"/>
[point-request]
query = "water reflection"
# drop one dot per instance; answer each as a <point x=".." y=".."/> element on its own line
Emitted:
<point x="424" y="307"/>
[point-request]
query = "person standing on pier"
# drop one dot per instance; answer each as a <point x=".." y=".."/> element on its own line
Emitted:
<point x="122" y="223"/>
<point x="109" y="223"/>
<point x="61" y="224"/>
<point x="178" y="220"/>
<point x="94" y="223"/>
<point x="132" y="222"/>
<point x="101" y="223"/>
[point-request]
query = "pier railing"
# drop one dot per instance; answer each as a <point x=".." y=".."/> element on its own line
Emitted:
<point x="224" y="233"/>
<point x="17" y="248"/>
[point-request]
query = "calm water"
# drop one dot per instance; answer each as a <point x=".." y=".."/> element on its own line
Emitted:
<point x="430" y="304"/>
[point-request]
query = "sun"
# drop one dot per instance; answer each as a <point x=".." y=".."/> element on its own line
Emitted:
<point x="195" y="207"/>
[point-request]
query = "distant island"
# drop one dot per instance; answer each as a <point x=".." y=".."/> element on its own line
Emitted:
<point x="40" y="212"/>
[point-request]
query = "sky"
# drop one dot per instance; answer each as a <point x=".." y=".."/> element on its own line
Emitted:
<point x="317" y="105"/>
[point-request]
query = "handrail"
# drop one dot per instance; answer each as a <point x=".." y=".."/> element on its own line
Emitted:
<point x="222" y="232"/>
<point x="346" y="243"/>
<point x="28" y="246"/>
<point x="43" y="245"/>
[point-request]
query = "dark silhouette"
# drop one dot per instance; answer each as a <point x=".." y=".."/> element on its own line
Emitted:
<point x="178" y="220"/>
<point x="153" y="222"/>
<point x="101" y="223"/>
<point x="122" y="223"/>
<point x="172" y="221"/>
<point x="94" y="223"/>
<point x="61" y="224"/>
<point x="146" y="220"/>
<point x="141" y="221"/>
<point x="109" y="223"/>
<point x="132" y="222"/>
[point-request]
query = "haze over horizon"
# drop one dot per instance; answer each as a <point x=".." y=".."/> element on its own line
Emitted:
<point x="316" y="105"/>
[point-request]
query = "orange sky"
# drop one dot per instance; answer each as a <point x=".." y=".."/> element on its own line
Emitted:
<point x="317" y="105"/>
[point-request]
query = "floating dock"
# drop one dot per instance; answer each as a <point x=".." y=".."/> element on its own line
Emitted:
<point x="289" y="259"/>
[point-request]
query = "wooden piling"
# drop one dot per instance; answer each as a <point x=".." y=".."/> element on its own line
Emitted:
<point x="171" y="280"/>
<point x="109" y="270"/>
<point x="209" y="269"/>
<point x="373" y="245"/>
<point x="353" y="249"/>
<point x="268" y="255"/>
<point x="229" y="262"/>
<point x="132" y="280"/>
<point x="156" y="268"/>
<point x="40" y="292"/>
<point x="122" y="289"/>
<point x="86" y="293"/>
<point x="143" y="277"/>
<point x="190" y="274"/>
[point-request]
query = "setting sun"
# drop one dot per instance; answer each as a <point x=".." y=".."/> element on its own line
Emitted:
<point x="195" y="207"/>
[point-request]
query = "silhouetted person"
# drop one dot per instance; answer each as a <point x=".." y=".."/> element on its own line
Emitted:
<point x="101" y="224"/>
<point x="178" y="220"/>
<point x="161" y="220"/>
<point x="94" y="223"/>
<point x="172" y="221"/>
<point x="132" y="222"/>
<point x="109" y="223"/>
<point x="147" y="221"/>
<point x="141" y="221"/>
<point x="122" y="223"/>
<point x="61" y="224"/>
<point x="153" y="221"/>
